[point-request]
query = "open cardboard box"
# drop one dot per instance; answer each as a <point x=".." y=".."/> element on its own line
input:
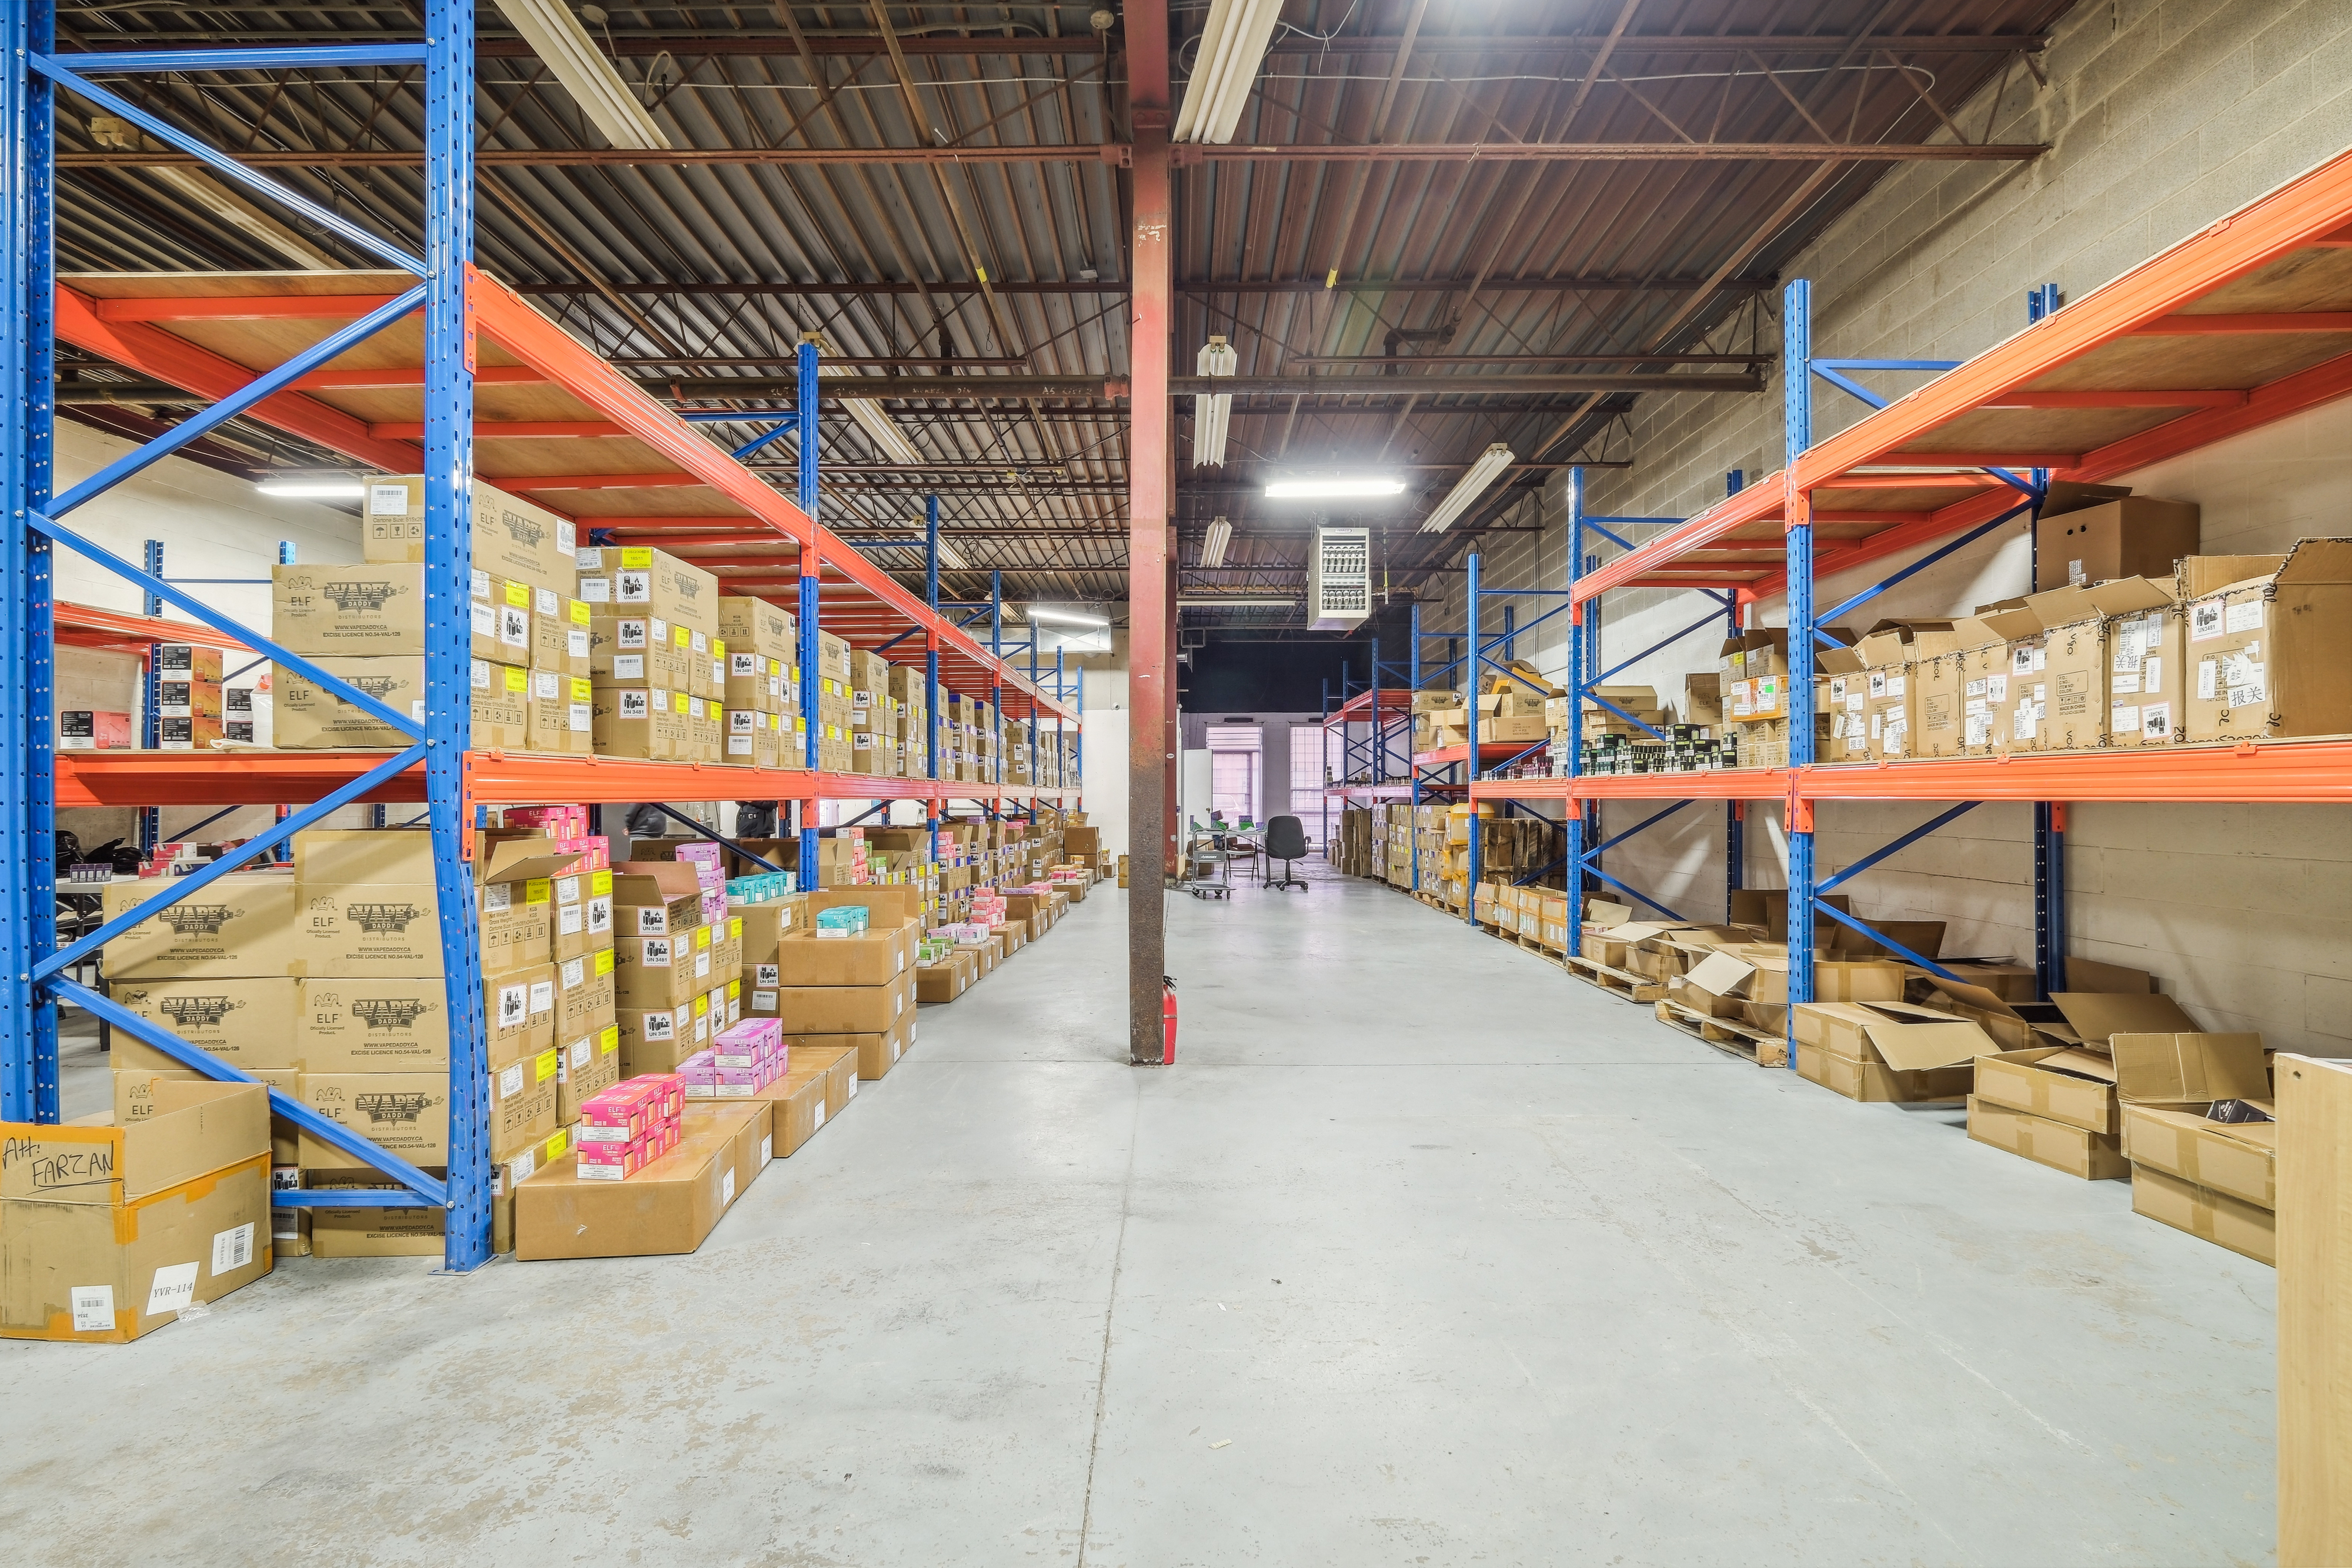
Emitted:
<point x="2167" y="1082"/>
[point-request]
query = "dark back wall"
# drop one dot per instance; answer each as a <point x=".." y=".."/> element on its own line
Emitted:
<point x="1242" y="670"/>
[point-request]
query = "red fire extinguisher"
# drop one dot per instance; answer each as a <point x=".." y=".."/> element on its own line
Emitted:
<point x="1168" y="1018"/>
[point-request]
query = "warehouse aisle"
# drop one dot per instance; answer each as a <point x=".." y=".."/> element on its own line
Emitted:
<point x="1424" y="1253"/>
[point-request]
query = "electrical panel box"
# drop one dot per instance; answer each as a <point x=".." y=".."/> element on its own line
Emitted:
<point x="1339" y="579"/>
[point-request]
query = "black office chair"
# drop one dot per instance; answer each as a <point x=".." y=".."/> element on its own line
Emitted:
<point x="1285" y="841"/>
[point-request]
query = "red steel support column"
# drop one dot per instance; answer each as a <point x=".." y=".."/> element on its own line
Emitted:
<point x="1151" y="698"/>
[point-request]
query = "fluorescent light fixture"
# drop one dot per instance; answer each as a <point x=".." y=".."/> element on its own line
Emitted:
<point x="239" y="213"/>
<point x="313" y="488"/>
<point x="1216" y="604"/>
<point x="1213" y="412"/>
<point x="882" y="430"/>
<point x="1042" y="615"/>
<point x="949" y="559"/>
<point x="1233" y="46"/>
<point x="1473" y="484"/>
<point x="556" y="36"/>
<point x="1336" y="488"/>
<point x="1213" y="543"/>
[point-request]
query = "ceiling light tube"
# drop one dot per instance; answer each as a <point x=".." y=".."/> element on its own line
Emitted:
<point x="1039" y="613"/>
<point x="556" y="36"/>
<point x="1213" y="603"/>
<point x="313" y="488"/>
<point x="882" y="430"/>
<point x="1213" y="543"/>
<point x="1331" y="488"/>
<point x="1473" y="484"/>
<point x="1233" y="46"/>
<point x="1214" y="412"/>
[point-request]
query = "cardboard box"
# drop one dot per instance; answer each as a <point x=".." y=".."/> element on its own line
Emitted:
<point x="1869" y="1081"/>
<point x="2082" y="536"/>
<point x="667" y="1207"/>
<point x="2061" y="1145"/>
<point x="373" y="1232"/>
<point x="378" y="1025"/>
<point x="799" y="1104"/>
<point x="240" y="926"/>
<point x="755" y="626"/>
<point x="360" y="611"/>
<point x="944" y="981"/>
<point x="308" y="716"/>
<point x="882" y="955"/>
<point x="561" y="713"/>
<point x="631" y="649"/>
<point x="655" y="898"/>
<point x="251" y="1023"/>
<point x="512" y="536"/>
<point x="846" y="1010"/>
<point x="113" y="1231"/>
<point x="874" y="1051"/>
<point x="366" y="930"/>
<point x="405" y="1112"/>
<point x="2167" y="1083"/>
<point x="583" y="912"/>
<point x="749" y="1126"/>
<point x="2245" y="1229"/>
<point x="521" y="1098"/>
<point x="635" y="579"/>
<point x="590" y="1065"/>
<point x="585" y="994"/>
<point x="519" y="1012"/>
<point x="2063" y="1085"/>
<point x="2267" y="657"/>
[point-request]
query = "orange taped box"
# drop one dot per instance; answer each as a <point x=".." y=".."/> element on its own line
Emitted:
<point x="109" y="1232"/>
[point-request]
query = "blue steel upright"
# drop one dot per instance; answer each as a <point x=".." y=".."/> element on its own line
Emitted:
<point x="1578" y="672"/>
<point x="1472" y="670"/>
<point x="449" y="628"/>
<point x="931" y="667"/>
<point x="1797" y="389"/>
<point x="28" y="1090"/>
<point x="805" y="409"/>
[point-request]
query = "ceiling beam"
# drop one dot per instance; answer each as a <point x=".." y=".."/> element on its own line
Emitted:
<point x="1115" y="154"/>
<point x="1206" y="286"/>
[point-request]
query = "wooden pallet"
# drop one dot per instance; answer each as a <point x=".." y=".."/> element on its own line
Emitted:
<point x="1739" y="1040"/>
<point x="1617" y="982"/>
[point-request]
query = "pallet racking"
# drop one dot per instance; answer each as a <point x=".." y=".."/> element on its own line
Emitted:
<point x="2243" y="324"/>
<point x="432" y="368"/>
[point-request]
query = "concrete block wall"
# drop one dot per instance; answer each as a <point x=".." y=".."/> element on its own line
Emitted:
<point x="2163" y="117"/>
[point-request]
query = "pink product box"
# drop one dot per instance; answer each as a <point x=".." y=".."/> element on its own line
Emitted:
<point x="752" y="1032"/>
<point x="701" y="849"/>
<point x="592" y="1158"/>
<point x="588" y="1132"/>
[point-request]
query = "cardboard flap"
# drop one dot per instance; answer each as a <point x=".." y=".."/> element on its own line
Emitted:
<point x="1974" y="632"/>
<point x="2205" y="1067"/>
<point x="2010" y="619"/>
<point x="1839" y="662"/>
<point x="2317" y="560"/>
<point x="1721" y="973"/>
<point x="2096" y="1014"/>
<point x="1920" y="1047"/>
<point x="2081" y="1062"/>
<point x="654" y="882"/>
<point x="2195" y="576"/>
<point x="1634" y="931"/>
<point x="2062" y="606"/>
<point x="1600" y="912"/>
<point x="2129" y="595"/>
<point x="2089" y="974"/>
<point x="520" y="859"/>
<point x="1975" y="996"/>
<point x="2068" y="496"/>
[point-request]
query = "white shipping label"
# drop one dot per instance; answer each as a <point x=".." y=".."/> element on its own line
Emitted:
<point x="514" y="1005"/>
<point x="2156" y="721"/>
<point x="589" y="560"/>
<point x="2021" y="724"/>
<point x="660" y="1026"/>
<point x="702" y="966"/>
<point x="1997" y="688"/>
<point x="635" y="587"/>
<point x="600" y="914"/>
<point x="2243" y="668"/>
<point x="584" y="718"/>
<point x="2209" y="679"/>
<point x="383" y="501"/>
<point x="633" y="701"/>
<point x="2151" y="674"/>
<point x="93" y="1305"/>
<point x="819" y="1122"/>
<point x="764" y="999"/>
<point x="1975" y="706"/>
<point x="485" y="620"/>
<point x="726" y="1186"/>
<point x="766" y="975"/>
<point x="567" y="539"/>
<point x="2041" y="659"/>
<point x="2076" y="576"/>
<point x="546" y="685"/>
<point x="2247" y="696"/>
<point x="575" y="642"/>
<point x="514" y="625"/>
<point x="519" y="1168"/>
<point x="543" y="997"/>
<point x="1979" y="729"/>
<point x="1878" y="722"/>
<point x="481" y="673"/>
<point x="2124" y="720"/>
<point x="232" y="1250"/>
<point x="174" y="1288"/>
<point x="498" y="898"/>
<point x="574" y="971"/>
<point x="2205" y="620"/>
<point x="767" y="1150"/>
<point x="2021" y="661"/>
<point x="1896" y="686"/>
<point x="1838" y="689"/>
<point x="2244" y="616"/>
<point x="567" y="889"/>
<point x="582" y="1048"/>
<point x="2125" y="685"/>
<point x="630" y="634"/>
<point x="511" y="1081"/>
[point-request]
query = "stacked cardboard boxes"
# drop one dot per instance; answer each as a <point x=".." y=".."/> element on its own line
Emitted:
<point x="761" y="691"/>
<point x="658" y="661"/>
<point x="2199" y="1129"/>
<point x="838" y="986"/>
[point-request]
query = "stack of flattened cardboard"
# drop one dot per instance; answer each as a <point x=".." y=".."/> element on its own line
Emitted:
<point x="114" y="1229"/>
<point x="2199" y="1130"/>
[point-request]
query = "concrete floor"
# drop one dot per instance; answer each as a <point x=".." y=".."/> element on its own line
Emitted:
<point x="1424" y="1254"/>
